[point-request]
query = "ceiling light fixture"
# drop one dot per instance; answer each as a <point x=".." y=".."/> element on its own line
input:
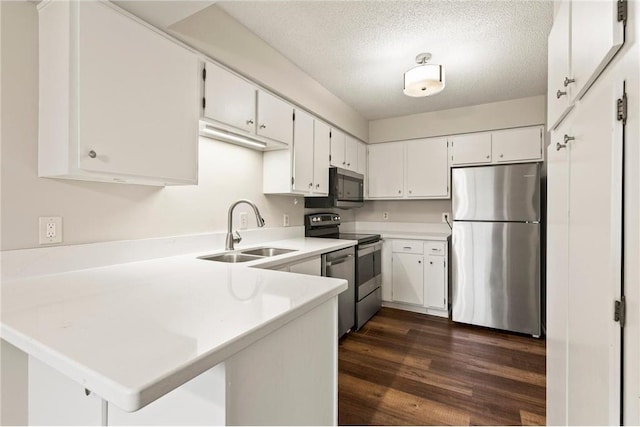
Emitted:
<point x="425" y="79"/>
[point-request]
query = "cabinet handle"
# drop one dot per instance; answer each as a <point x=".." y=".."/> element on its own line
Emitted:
<point x="407" y="247"/>
<point x="431" y="262"/>
<point x="399" y="191"/>
<point x="348" y="164"/>
<point x="560" y="93"/>
<point x="250" y="122"/>
<point x="501" y="155"/>
<point x="419" y="262"/>
<point x="310" y="184"/>
<point x="344" y="163"/>
<point x="568" y="138"/>
<point x="93" y="154"/>
<point x="568" y="81"/>
<point x="409" y="191"/>
<point x="560" y="146"/>
<point x="317" y="185"/>
<point x="488" y="157"/>
<point x="263" y="126"/>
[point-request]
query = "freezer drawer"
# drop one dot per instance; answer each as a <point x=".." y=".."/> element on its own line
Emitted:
<point x="496" y="275"/>
<point x="496" y="193"/>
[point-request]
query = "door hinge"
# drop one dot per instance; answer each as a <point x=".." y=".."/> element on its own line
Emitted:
<point x="621" y="105"/>
<point x="622" y="11"/>
<point x="204" y="74"/>
<point x="619" y="311"/>
<point x="204" y="102"/>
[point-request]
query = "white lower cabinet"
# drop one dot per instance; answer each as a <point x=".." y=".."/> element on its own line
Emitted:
<point x="415" y="276"/>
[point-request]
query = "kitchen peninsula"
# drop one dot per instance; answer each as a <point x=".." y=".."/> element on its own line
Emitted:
<point x="180" y="340"/>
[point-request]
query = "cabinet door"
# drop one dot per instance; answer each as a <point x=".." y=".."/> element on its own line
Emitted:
<point x="407" y="278"/>
<point x="303" y="152"/>
<point x="557" y="275"/>
<point x="516" y="145"/>
<point x="229" y="99"/>
<point x="595" y="229"/>
<point x="435" y="284"/>
<point x="362" y="158"/>
<point x="385" y="171"/>
<point x="138" y="121"/>
<point x="321" y="153"/>
<point x="596" y="36"/>
<point x="558" y="104"/>
<point x="427" y="168"/>
<point x="473" y="148"/>
<point x="275" y="118"/>
<point x="351" y="154"/>
<point x="338" y="141"/>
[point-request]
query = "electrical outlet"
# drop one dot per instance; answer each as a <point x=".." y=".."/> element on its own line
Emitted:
<point x="50" y="230"/>
<point x="385" y="215"/>
<point x="244" y="220"/>
<point x="446" y="217"/>
<point x="285" y="220"/>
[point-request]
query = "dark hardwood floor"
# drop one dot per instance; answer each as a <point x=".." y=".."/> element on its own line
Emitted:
<point x="405" y="368"/>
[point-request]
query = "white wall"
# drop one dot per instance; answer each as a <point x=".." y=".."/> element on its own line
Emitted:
<point x="496" y="115"/>
<point x="220" y="36"/>
<point x="94" y="212"/>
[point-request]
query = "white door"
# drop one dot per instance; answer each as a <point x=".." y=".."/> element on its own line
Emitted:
<point x="386" y="170"/>
<point x="303" y="152"/>
<point x="435" y="285"/>
<point x="407" y="278"/>
<point x="138" y="98"/>
<point x="516" y="145"/>
<point x="427" y="168"/>
<point x="351" y="153"/>
<point x="595" y="214"/>
<point x="596" y="35"/>
<point x="338" y="141"/>
<point x="275" y="118"/>
<point x="321" y="152"/>
<point x="229" y="99"/>
<point x="559" y="42"/>
<point x="557" y="274"/>
<point x="473" y="148"/>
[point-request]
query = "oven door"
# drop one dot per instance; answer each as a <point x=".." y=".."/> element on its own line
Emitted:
<point x="369" y="269"/>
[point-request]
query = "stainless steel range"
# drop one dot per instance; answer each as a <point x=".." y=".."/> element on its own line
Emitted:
<point x="363" y="298"/>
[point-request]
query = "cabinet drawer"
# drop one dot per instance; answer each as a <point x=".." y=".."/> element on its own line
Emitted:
<point x="407" y="246"/>
<point x="435" y="248"/>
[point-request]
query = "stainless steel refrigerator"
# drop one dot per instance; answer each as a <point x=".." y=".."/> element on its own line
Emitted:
<point x="496" y="247"/>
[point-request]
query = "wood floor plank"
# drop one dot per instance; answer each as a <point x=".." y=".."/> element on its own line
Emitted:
<point x="406" y="368"/>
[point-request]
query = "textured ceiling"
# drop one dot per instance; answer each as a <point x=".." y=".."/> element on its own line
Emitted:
<point x="359" y="50"/>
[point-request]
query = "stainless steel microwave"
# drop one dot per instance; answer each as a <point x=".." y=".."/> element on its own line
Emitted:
<point x="346" y="190"/>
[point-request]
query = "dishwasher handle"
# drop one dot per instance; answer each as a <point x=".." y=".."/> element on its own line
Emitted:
<point x="338" y="261"/>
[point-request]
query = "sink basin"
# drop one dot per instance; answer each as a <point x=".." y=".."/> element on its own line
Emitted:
<point x="266" y="252"/>
<point x="231" y="257"/>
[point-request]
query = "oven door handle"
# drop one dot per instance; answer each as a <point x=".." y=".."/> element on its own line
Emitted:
<point x="368" y="249"/>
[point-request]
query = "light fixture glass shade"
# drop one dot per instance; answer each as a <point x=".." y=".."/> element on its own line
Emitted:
<point x="424" y="80"/>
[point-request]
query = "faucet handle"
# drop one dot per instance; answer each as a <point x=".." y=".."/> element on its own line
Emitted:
<point x="237" y="238"/>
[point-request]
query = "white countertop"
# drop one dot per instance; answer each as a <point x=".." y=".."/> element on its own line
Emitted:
<point x="133" y="332"/>
<point x="410" y="235"/>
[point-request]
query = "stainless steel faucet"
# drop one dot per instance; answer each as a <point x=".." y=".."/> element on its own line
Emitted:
<point x="231" y="239"/>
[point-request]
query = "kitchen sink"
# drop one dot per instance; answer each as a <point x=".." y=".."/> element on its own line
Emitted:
<point x="266" y="252"/>
<point x="231" y="257"/>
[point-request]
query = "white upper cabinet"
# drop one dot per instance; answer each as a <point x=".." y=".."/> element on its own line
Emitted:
<point x="229" y="99"/>
<point x="321" y="154"/>
<point x="338" y="142"/>
<point x="385" y="175"/>
<point x="362" y="158"/>
<point x="119" y="101"/>
<point x="596" y="36"/>
<point x="427" y="168"/>
<point x="351" y="153"/>
<point x="275" y="118"/>
<point x="559" y="90"/>
<point x="474" y="148"/>
<point x="517" y="145"/>
<point x="303" y="153"/>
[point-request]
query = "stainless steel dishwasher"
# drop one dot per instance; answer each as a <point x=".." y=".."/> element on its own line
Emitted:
<point x="341" y="264"/>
